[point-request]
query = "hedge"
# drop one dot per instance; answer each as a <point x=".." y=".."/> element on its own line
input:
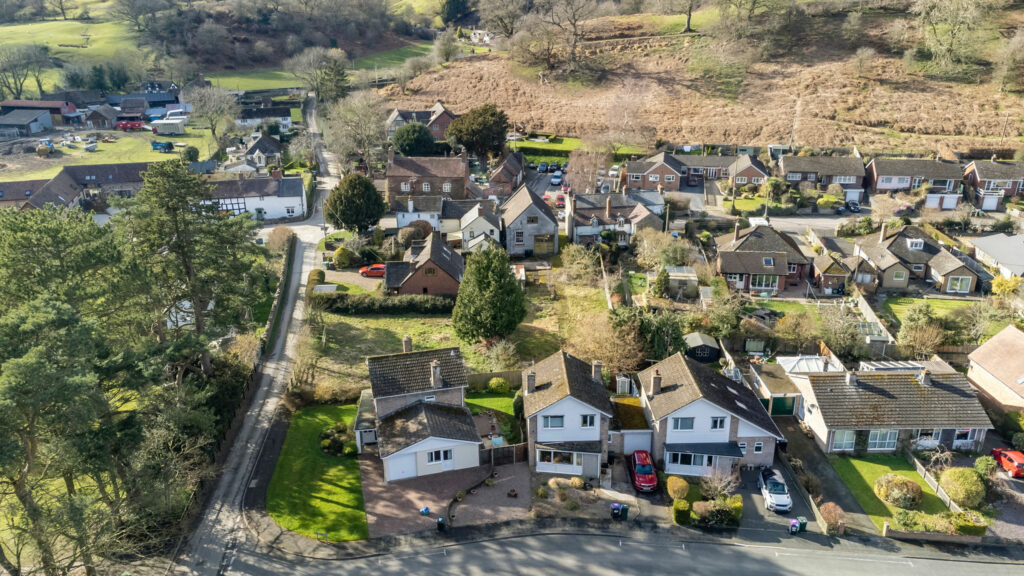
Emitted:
<point x="964" y="486"/>
<point x="681" y="511"/>
<point x="343" y="303"/>
<point x="969" y="524"/>
<point x="315" y="278"/>
<point x="677" y="487"/>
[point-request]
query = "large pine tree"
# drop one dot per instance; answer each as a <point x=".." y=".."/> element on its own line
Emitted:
<point x="490" y="303"/>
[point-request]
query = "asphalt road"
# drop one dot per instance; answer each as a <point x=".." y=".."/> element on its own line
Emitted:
<point x="612" y="556"/>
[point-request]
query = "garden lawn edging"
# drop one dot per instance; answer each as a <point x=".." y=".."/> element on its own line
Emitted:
<point x="928" y="536"/>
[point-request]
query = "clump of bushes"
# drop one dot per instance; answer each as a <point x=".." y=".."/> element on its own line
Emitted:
<point x="677" y="488"/>
<point x="723" y="512"/>
<point x="572" y="505"/>
<point x="964" y="523"/>
<point x="338" y="440"/>
<point x="498" y="386"/>
<point x="833" y="516"/>
<point x="681" y="512"/>
<point x="899" y="491"/>
<point x="316" y="277"/>
<point x="577" y="482"/>
<point x="964" y="486"/>
<point x="542" y="493"/>
<point x="985" y="466"/>
<point x="352" y="304"/>
<point x="345" y="258"/>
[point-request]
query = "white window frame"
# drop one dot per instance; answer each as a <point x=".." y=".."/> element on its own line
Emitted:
<point x="917" y="267"/>
<point x="677" y="424"/>
<point x="743" y="448"/>
<point x="635" y="177"/>
<point x="915" y="244"/>
<point x="848" y="442"/>
<point x="758" y="447"/>
<point x="733" y="277"/>
<point x="653" y="178"/>
<point x="446" y="187"/>
<point x="406" y="187"/>
<point x="899" y="275"/>
<point x="547" y="422"/>
<point x="670" y="178"/>
<point x="792" y="268"/>
<point x="958" y="281"/>
<point x="439" y="456"/>
<point x="756" y="180"/>
<point x="718" y="422"/>
<point x="794" y="176"/>
<point x="519" y="237"/>
<point x="741" y="179"/>
<point x="426" y="186"/>
<point x="883" y="440"/>
<point x="768" y="261"/>
<point x="588" y="420"/>
<point x="844" y="179"/>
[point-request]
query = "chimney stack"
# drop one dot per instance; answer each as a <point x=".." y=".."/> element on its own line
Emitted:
<point x="595" y="371"/>
<point x="881" y="235"/>
<point x="656" y="383"/>
<point x="925" y="378"/>
<point x="851" y="378"/>
<point x="435" y="374"/>
<point x="406" y="344"/>
<point x="608" y="207"/>
<point x="531" y="383"/>
<point x="479" y="210"/>
<point x="412" y="205"/>
<point x="736" y="231"/>
<point x="391" y="156"/>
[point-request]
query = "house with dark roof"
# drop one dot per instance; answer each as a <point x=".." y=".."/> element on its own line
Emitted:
<point x="429" y="267"/>
<point x="665" y="171"/>
<point x="589" y="215"/>
<point x="747" y="170"/>
<point x="942" y="179"/>
<point x="528" y="225"/>
<point x="264" y="151"/>
<point x="898" y="256"/>
<point x="26" y="122"/>
<point x="437" y="119"/>
<point x="426" y="175"/>
<point x="703" y="421"/>
<point x="507" y="176"/>
<point x="567" y="409"/>
<point x="760" y="259"/>
<point x="415" y="412"/>
<point x="270" y="198"/>
<point x="880" y="410"/>
<point x="821" y="171"/>
<point x="264" y="116"/>
<point x="995" y="176"/>
<point x="996" y="370"/>
<point x="75" y="185"/>
<point x="80" y="98"/>
<point x="830" y="274"/>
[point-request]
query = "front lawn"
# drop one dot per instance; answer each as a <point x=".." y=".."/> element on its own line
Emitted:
<point x="898" y="307"/>
<point x="859" y="475"/>
<point x="339" y="236"/>
<point x="743" y="204"/>
<point x="481" y="401"/>
<point x="312" y="491"/>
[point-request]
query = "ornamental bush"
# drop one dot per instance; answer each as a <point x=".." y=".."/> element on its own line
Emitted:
<point x="899" y="491"/>
<point x="577" y="482"/>
<point x="833" y="516"/>
<point x="735" y="503"/>
<point x="985" y="465"/>
<point x="681" y="511"/>
<point x="964" y="486"/>
<point x="498" y="386"/>
<point x="345" y="258"/>
<point x="677" y="487"/>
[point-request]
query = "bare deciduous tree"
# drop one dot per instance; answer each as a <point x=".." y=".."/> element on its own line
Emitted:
<point x="502" y="17"/>
<point x="62" y="6"/>
<point x="949" y="24"/>
<point x="718" y="483"/>
<point x="863" y="58"/>
<point x="213" y="105"/>
<point x="14" y="69"/>
<point x="1008" y="59"/>
<point x="314" y="65"/>
<point x="568" y="17"/>
<point x="356" y="124"/>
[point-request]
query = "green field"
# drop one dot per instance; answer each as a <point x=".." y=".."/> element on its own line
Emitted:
<point x="392" y="58"/>
<point x="898" y="308"/>
<point x="130" y="147"/>
<point x="316" y="492"/>
<point x="859" y="475"/>
<point x="557" y="148"/>
<point x="259" y="79"/>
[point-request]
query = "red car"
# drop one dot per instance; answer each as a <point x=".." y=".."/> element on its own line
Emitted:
<point x="372" y="270"/>
<point x="642" y="471"/>
<point x="560" y="201"/>
<point x="1011" y="460"/>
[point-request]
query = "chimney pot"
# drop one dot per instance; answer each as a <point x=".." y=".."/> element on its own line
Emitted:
<point x="736" y="231"/>
<point x="656" y="383"/>
<point x="851" y="378"/>
<point x="925" y="378"/>
<point x="435" y="374"/>
<point x="407" y="344"/>
<point x="531" y="382"/>
<point x="595" y="372"/>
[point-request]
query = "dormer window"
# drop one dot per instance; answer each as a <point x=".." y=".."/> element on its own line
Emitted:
<point x="915" y="244"/>
<point x="621" y="221"/>
<point x="769" y="262"/>
<point x="593" y="220"/>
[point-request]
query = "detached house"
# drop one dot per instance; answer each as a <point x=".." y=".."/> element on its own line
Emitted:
<point x="760" y="259"/>
<point x="508" y="176"/>
<point x="820" y="171"/>
<point x="996" y="370"/>
<point x="426" y="175"/>
<point x="877" y="410"/>
<point x="429" y="267"/>
<point x="669" y="172"/>
<point x="1001" y="251"/>
<point x="909" y="253"/>
<point x="437" y="119"/>
<point x="747" y="170"/>
<point x="703" y="421"/>
<point x="567" y="410"/>
<point x="995" y="176"/>
<point x="264" y="150"/>
<point x="591" y="214"/>
<point x="529" y="226"/>
<point x="415" y="412"/>
<point x="251" y="117"/>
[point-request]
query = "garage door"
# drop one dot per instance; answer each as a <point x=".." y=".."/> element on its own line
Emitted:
<point x="783" y="406"/>
<point x="403" y="466"/>
<point x="853" y="195"/>
<point x="543" y="244"/>
<point x="633" y="441"/>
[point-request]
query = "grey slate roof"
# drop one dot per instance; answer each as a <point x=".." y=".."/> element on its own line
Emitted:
<point x="588" y="447"/>
<point x="419" y="203"/>
<point x="1000" y="170"/>
<point x="728" y="449"/>
<point x="422" y="420"/>
<point x="395" y="273"/>
<point x="762" y="239"/>
<point x="684" y="381"/>
<point x="268" y="145"/>
<point x="408" y="372"/>
<point x="745" y="161"/>
<point x="269" y="112"/>
<point x="21" y="117"/>
<point x="709" y="161"/>
<point x="824" y="165"/>
<point x="888" y="399"/>
<point x="427" y="166"/>
<point x="254" y="187"/>
<point x="642" y="166"/>
<point x="694" y="339"/>
<point x="1007" y="250"/>
<point x="519" y="202"/>
<point x="918" y="167"/>
<point x="561" y="375"/>
<point x="433" y="249"/>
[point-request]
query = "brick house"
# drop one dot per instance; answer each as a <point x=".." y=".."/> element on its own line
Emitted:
<point x="703" y="421"/>
<point x="830" y="274"/>
<point x="670" y="172"/>
<point x="942" y="179"/>
<point x="821" y="171"/>
<point x="996" y="370"/>
<point x="426" y="175"/>
<point x="899" y="256"/>
<point x="747" y="170"/>
<point x="760" y="259"/>
<point x="429" y="267"/>
<point x="508" y="176"/>
<point x="437" y="119"/>
<point x="992" y="180"/>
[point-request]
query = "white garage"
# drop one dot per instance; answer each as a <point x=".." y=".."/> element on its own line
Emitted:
<point x="633" y="440"/>
<point x="400" y="466"/>
<point x="427" y="438"/>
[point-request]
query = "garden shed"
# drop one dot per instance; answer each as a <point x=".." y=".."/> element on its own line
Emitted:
<point x="702" y="347"/>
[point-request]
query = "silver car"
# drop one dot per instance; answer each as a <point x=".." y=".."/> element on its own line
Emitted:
<point x="773" y="489"/>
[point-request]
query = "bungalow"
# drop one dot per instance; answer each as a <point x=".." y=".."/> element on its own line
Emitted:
<point x="704" y="422"/>
<point x="747" y="170"/>
<point x="26" y="122"/>
<point x="528" y="225"/>
<point x="416" y="414"/>
<point x="590" y="215"/>
<point x="429" y="267"/>
<point x="426" y="175"/>
<point x="437" y="119"/>
<point x="264" y="198"/>
<point x="760" y="259"/>
<point x="878" y="410"/>
<point x="821" y="171"/>
<point x="61" y="111"/>
<point x="1001" y="251"/>
<point x="994" y="176"/>
<point x="508" y="176"/>
<point x="996" y="370"/>
<point x="898" y="256"/>
<point x="280" y="115"/>
<point x="567" y="410"/>
<point x="669" y="172"/>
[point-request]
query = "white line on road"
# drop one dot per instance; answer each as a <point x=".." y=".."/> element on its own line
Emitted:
<point x="855" y="559"/>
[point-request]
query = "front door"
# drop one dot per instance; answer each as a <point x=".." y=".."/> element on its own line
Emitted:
<point x="447" y="461"/>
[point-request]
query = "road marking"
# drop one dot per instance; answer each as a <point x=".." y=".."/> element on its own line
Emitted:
<point x="854" y="558"/>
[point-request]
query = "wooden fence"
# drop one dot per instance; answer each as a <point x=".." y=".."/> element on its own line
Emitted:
<point x="502" y="455"/>
<point x="933" y="483"/>
<point x="480" y="379"/>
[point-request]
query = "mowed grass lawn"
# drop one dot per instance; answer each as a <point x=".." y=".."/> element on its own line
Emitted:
<point x="312" y="491"/>
<point x="258" y="79"/>
<point x="394" y="57"/>
<point x="743" y="204"/>
<point x="898" y="308"/>
<point x="481" y="401"/>
<point x="859" y="475"/>
<point x="130" y="147"/>
<point x="784" y="307"/>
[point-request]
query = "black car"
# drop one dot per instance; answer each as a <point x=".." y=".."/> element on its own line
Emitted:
<point x="853" y="206"/>
<point x="565" y="166"/>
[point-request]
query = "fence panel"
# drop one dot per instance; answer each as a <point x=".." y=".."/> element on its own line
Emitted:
<point x="502" y="455"/>
<point x="480" y="379"/>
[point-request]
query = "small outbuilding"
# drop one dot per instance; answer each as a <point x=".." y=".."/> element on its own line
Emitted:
<point x="682" y="281"/>
<point x="701" y="347"/>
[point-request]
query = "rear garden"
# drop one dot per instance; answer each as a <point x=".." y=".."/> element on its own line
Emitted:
<point x="897" y="307"/>
<point x="549" y="148"/>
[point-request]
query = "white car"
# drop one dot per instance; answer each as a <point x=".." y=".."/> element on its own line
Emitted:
<point x="561" y="214"/>
<point x="601" y="170"/>
<point x="614" y="172"/>
<point x="556" y="178"/>
<point x="774" y="490"/>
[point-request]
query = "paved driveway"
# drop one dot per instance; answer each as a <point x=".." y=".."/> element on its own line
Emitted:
<point x="351" y="276"/>
<point x="756" y="517"/>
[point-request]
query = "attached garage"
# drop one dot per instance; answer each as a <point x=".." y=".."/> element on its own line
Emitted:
<point x="633" y="440"/>
<point x="543" y="244"/>
<point x="400" y="466"/>
<point x="427" y="438"/>
<point x="854" y="194"/>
